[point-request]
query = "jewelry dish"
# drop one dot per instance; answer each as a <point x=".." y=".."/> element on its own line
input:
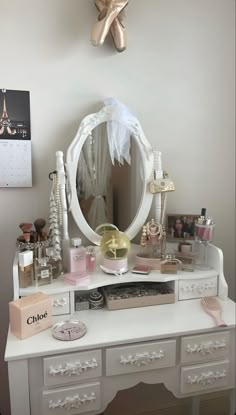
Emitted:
<point x="68" y="330"/>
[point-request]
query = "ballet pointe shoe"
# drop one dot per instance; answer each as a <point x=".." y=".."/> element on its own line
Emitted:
<point x="117" y="28"/>
<point x="105" y="19"/>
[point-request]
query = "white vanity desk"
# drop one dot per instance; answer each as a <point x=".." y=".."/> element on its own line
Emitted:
<point x="175" y="344"/>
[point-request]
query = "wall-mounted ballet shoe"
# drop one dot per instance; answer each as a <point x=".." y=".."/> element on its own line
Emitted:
<point x="105" y="19"/>
<point x="117" y="28"/>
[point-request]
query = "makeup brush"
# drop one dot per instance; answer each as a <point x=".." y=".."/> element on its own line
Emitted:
<point x="39" y="224"/>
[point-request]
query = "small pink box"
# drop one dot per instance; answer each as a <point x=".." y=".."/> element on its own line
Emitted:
<point x="30" y="315"/>
<point x="75" y="278"/>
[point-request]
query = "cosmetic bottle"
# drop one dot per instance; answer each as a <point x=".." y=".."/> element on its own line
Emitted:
<point x="77" y="256"/>
<point x="26" y="269"/>
<point x="42" y="271"/>
<point x="90" y="259"/>
<point x="55" y="262"/>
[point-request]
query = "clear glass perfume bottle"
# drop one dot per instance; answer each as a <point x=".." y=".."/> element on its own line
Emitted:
<point x="42" y="271"/>
<point x="90" y="259"/>
<point x="55" y="262"/>
<point x="26" y="269"/>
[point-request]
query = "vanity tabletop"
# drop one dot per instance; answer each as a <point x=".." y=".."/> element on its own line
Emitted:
<point x="111" y="328"/>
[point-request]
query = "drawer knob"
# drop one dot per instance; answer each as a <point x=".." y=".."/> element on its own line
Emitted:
<point x="206" y="347"/>
<point x="206" y="378"/>
<point x="73" y="368"/>
<point x="59" y="302"/>
<point x="140" y="359"/>
<point x="72" y="401"/>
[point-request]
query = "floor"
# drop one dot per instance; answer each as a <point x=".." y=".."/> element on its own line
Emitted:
<point x="156" y="400"/>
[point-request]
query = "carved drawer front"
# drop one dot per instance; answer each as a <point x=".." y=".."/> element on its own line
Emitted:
<point x="205" y="347"/>
<point x="73" y="367"/>
<point x="140" y="357"/>
<point x="60" y="303"/>
<point x="72" y="400"/>
<point x="204" y="376"/>
<point x="197" y="288"/>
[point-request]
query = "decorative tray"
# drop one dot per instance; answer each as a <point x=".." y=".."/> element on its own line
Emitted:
<point x="138" y="294"/>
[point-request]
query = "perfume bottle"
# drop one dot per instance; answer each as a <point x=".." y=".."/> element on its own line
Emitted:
<point x="90" y="259"/>
<point x="55" y="262"/>
<point x="26" y="269"/>
<point x="42" y="271"/>
<point x="77" y="256"/>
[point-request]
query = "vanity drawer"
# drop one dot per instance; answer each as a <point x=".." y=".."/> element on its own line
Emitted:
<point x="72" y="400"/>
<point x="73" y="367"/>
<point x="202" y="377"/>
<point x="140" y="357"/>
<point x="60" y="303"/>
<point x="205" y="347"/>
<point x="197" y="288"/>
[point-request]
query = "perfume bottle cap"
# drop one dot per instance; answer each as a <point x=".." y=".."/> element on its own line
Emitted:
<point x="43" y="261"/>
<point x="50" y="251"/>
<point x="203" y="212"/>
<point x="25" y="258"/>
<point x="76" y="242"/>
<point x="90" y="250"/>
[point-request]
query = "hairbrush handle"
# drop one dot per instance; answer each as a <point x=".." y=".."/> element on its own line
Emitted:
<point x="219" y="321"/>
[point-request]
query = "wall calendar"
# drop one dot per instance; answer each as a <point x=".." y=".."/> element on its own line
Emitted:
<point x="15" y="139"/>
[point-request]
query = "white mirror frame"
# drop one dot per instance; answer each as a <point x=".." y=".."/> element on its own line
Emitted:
<point x="87" y="125"/>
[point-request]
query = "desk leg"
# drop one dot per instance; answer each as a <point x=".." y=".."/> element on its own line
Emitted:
<point x="19" y="387"/>
<point x="232" y="402"/>
<point x="196" y="405"/>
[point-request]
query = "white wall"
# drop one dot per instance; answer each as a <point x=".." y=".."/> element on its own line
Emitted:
<point x="177" y="75"/>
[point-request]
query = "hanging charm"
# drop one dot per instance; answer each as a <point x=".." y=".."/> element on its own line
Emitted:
<point x="164" y="184"/>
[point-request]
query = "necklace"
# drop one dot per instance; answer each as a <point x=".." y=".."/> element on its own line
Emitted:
<point x="154" y="229"/>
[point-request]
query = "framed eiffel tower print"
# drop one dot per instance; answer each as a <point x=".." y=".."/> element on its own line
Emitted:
<point x="15" y="139"/>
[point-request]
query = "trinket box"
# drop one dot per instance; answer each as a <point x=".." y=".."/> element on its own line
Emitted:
<point x="96" y="300"/>
<point x="81" y="301"/>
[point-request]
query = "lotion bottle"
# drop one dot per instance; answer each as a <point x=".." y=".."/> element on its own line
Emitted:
<point x="77" y="256"/>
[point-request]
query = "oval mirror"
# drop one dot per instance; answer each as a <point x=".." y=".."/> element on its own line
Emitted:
<point x="104" y="190"/>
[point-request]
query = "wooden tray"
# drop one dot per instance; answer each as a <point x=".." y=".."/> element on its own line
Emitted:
<point x="132" y="302"/>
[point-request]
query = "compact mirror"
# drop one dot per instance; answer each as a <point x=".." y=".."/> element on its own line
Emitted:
<point x="103" y="190"/>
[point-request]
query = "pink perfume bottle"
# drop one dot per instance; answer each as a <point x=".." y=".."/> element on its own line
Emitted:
<point x="90" y="259"/>
<point x="77" y="256"/>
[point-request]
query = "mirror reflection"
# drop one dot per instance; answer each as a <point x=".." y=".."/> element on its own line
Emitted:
<point x="108" y="192"/>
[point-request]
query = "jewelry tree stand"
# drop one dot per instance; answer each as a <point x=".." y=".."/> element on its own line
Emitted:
<point x="153" y="238"/>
